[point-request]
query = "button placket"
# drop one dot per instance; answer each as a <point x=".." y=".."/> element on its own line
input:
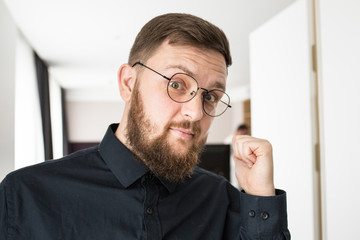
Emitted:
<point x="151" y="218"/>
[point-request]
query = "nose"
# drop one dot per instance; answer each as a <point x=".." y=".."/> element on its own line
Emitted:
<point x="193" y="110"/>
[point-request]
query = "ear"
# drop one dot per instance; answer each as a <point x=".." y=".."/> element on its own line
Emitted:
<point x="126" y="81"/>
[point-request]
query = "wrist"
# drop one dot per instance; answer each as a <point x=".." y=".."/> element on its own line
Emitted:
<point x="265" y="192"/>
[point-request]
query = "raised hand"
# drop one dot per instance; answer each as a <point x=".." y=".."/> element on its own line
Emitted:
<point x="254" y="165"/>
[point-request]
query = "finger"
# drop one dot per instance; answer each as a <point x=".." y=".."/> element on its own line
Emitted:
<point x="249" y="154"/>
<point x="243" y="161"/>
<point x="243" y="149"/>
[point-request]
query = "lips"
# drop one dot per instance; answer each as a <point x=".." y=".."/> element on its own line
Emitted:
<point x="183" y="133"/>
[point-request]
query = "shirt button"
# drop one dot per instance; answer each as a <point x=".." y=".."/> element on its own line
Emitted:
<point x="264" y="215"/>
<point x="149" y="210"/>
<point x="252" y="213"/>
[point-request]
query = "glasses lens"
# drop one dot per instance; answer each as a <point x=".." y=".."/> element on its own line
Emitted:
<point x="182" y="87"/>
<point x="215" y="102"/>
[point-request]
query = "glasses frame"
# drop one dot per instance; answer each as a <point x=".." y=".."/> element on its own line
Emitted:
<point x="193" y="95"/>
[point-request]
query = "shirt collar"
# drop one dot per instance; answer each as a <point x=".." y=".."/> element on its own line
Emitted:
<point x="122" y="162"/>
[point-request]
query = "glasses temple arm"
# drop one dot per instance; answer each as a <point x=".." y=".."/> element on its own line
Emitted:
<point x="226" y="104"/>
<point x="151" y="70"/>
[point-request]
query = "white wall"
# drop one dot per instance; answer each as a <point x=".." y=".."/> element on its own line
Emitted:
<point x="7" y="91"/>
<point x="29" y="141"/>
<point x="339" y="64"/>
<point x="88" y="121"/>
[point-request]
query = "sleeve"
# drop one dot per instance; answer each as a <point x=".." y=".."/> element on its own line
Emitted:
<point x="3" y="212"/>
<point x="263" y="217"/>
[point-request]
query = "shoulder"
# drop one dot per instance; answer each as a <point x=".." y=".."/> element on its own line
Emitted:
<point x="207" y="175"/>
<point x="52" y="168"/>
<point x="211" y="186"/>
<point x="215" y="182"/>
<point x="208" y="180"/>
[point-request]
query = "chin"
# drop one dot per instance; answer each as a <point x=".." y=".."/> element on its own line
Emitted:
<point x="180" y="146"/>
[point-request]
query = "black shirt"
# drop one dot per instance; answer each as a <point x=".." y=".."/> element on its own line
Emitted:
<point x="105" y="193"/>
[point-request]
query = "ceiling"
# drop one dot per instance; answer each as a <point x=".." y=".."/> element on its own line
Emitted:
<point x="85" y="41"/>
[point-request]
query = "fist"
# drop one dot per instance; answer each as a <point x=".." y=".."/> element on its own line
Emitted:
<point x="254" y="165"/>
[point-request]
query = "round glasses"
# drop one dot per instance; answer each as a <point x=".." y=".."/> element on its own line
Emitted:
<point x="182" y="88"/>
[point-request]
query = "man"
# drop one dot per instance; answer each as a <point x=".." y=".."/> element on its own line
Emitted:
<point x="242" y="129"/>
<point x="141" y="181"/>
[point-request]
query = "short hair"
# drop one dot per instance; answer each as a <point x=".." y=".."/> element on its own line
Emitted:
<point x="180" y="29"/>
<point x="242" y="127"/>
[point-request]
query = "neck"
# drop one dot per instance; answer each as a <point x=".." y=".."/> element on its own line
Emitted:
<point x="120" y="133"/>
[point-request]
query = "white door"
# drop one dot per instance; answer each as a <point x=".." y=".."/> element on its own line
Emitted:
<point x="282" y="86"/>
<point x="339" y="65"/>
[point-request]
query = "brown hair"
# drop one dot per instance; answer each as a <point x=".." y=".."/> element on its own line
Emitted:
<point x="181" y="29"/>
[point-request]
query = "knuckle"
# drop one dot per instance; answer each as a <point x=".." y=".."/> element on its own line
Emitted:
<point x="268" y="143"/>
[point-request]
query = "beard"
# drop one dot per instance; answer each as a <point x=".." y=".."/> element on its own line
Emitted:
<point x="157" y="154"/>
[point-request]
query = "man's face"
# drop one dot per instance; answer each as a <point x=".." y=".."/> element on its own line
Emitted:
<point x="168" y="136"/>
<point x="242" y="132"/>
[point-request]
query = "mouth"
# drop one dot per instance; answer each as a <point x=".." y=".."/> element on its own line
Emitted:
<point x="182" y="133"/>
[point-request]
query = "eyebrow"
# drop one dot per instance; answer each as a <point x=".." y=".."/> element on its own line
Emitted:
<point x="182" y="68"/>
<point x="217" y="85"/>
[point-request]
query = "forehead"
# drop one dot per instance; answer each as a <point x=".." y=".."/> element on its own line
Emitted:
<point x="207" y="66"/>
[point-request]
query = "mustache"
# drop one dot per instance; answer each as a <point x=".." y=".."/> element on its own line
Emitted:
<point x="186" y="125"/>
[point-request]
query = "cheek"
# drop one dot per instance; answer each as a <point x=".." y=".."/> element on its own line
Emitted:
<point x="159" y="108"/>
<point x="205" y="124"/>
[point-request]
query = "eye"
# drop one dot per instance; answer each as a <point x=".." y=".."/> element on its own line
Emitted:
<point x="178" y="82"/>
<point x="210" y="97"/>
<point x="175" y="85"/>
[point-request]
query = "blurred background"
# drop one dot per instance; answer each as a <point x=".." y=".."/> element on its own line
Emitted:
<point x="295" y="80"/>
